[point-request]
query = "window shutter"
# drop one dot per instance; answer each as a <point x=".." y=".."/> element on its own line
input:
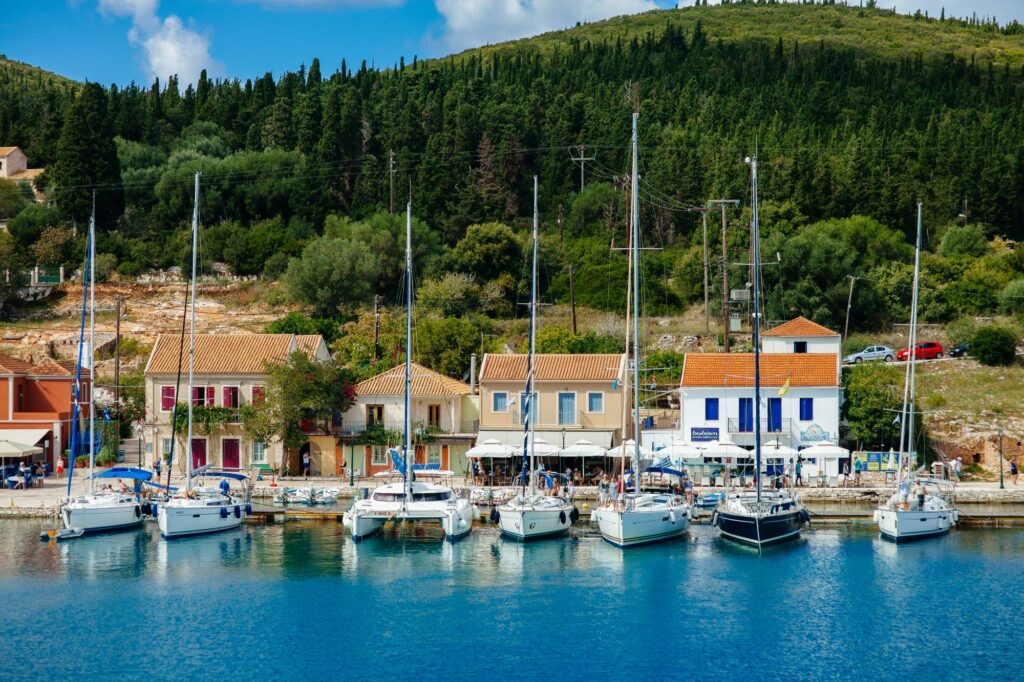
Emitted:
<point x="209" y="395"/>
<point x="167" y="398"/>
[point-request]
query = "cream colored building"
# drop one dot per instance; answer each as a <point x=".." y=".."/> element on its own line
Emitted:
<point x="229" y="372"/>
<point x="579" y="396"/>
<point x="14" y="166"/>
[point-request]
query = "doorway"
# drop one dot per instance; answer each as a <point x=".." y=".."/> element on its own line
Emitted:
<point x="198" y="452"/>
<point x="229" y="453"/>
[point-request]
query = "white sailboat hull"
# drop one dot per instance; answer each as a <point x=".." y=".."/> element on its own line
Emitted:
<point x="534" y="519"/>
<point x="901" y="525"/>
<point x="182" y="517"/>
<point x="95" y="513"/>
<point x="643" y="524"/>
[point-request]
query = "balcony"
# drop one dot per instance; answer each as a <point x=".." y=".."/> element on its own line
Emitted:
<point x="355" y="426"/>
<point x="776" y="426"/>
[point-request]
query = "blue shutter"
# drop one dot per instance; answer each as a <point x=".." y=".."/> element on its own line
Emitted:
<point x="746" y="415"/>
<point x="566" y="409"/>
<point x="806" y="409"/>
<point x="775" y="414"/>
<point x="711" y="409"/>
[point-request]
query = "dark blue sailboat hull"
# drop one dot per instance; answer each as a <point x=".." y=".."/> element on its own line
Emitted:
<point x="770" y="529"/>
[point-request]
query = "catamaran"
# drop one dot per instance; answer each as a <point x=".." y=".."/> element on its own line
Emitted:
<point x="110" y="509"/>
<point x="410" y="499"/>
<point x="903" y="516"/>
<point x="641" y="518"/>
<point x="531" y="515"/>
<point x="757" y="517"/>
<point x="201" y="509"/>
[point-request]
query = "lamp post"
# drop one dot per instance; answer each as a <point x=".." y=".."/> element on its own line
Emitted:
<point x="1000" y="432"/>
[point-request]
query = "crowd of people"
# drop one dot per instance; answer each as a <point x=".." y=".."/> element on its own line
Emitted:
<point x="24" y="476"/>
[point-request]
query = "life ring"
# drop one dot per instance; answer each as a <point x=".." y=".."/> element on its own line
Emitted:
<point x="561" y="517"/>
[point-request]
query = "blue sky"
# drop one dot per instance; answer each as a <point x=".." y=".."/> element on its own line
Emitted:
<point x="118" y="41"/>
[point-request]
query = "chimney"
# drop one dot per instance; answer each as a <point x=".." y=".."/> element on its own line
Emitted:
<point x="472" y="374"/>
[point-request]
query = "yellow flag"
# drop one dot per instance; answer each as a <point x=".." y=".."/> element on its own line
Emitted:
<point x="785" y="388"/>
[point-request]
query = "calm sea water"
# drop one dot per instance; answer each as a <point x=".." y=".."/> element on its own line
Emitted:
<point x="301" y="601"/>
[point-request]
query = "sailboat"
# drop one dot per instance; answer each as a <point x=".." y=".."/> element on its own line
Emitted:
<point x="409" y="500"/>
<point x="111" y="509"/>
<point x="530" y="515"/>
<point x="759" y="518"/>
<point x="902" y="517"/>
<point x="642" y="518"/>
<point x="200" y="510"/>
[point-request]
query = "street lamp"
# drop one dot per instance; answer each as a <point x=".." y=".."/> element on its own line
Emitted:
<point x="1000" y="432"/>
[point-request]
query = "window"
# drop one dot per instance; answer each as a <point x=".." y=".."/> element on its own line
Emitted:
<point x="799" y="346"/>
<point x="374" y="415"/>
<point x="526" y="405"/>
<point x="259" y="452"/>
<point x="746" y="412"/>
<point x="434" y="454"/>
<point x="806" y="409"/>
<point x="202" y="395"/>
<point x="379" y="455"/>
<point x="230" y="397"/>
<point x="595" y="402"/>
<point x="257" y="395"/>
<point x="166" y="398"/>
<point x="168" y="444"/>
<point x="711" y="409"/>
<point x="434" y="416"/>
<point x="566" y="409"/>
<point x="499" y="402"/>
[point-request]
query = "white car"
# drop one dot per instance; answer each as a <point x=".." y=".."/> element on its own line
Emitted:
<point x="870" y="353"/>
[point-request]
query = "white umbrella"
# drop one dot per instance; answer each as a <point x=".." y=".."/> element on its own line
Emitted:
<point x="542" y="447"/>
<point x="724" y="448"/>
<point x="628" y="447"/>
<point x="825" y="450"/>
<point x="492" y="447"/>
<point x="774" y="448"/>
<point x="583" y="448"/>
<point x="678" y="450"/>
<point x="12" y="449"/>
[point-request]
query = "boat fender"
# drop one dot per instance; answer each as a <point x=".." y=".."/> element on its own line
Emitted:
<point x="561" y="517"/>
<point x="238" y="512"/>
<point x="876" y="516"/>
<point x="138" y="512"/>
<point x="574" y="514"/>
<point x="672" y="516"/>
<point x="223" y="512"/>
<point x="714" y="518"/>
<point x="147" y="509"/>
<point x="248" y="509"/>
<point x="956" y="516"/>
<point x="495" y="516"/>
<point x="806" y="515"/>
<point x="153" y="510"/>
<point x="462" y="523"/>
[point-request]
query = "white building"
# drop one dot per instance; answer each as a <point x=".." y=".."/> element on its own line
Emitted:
<point x="800" y="335"/>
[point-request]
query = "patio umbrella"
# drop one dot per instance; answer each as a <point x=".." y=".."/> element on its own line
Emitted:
<point x="583" y="448"/>
<point x="542" y="448"/>
<point x="774" y="448"/>
<point x="724" y="448"/>
<point x="13" y="449"/>
<point x="677" y="450"/>
<point x="492" y="447"/>
<point x="825" y="450"/>
<point x="628" y="448"/>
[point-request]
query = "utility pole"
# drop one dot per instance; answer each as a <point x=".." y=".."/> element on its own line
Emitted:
<point x="117" y="351"/>
<point x="572" y="287"/>
<point x="703" y="210"/>
<point x="581" y="160"/>
<point x="723" y="203"/>
<point x="849" y="303"/>
<point x="376" y="324"/>
<point x="391" y="181"/>
<point x="1000" y="432"/>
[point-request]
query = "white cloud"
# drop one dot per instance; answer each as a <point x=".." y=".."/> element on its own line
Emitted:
<point x="168" y="45"/>
<point x="324" y="4"/>
<point x="469" y="23"/>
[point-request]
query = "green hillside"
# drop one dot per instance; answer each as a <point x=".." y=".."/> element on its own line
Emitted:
<point x="874" y="32"/>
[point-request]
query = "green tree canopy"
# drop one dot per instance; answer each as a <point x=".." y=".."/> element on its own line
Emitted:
<point x="331" y="273"/>
<point x="994" y="345"/>
<point x="873" y="400"/>
<point x="964" y="240"/>
<point x="487" y="252"/>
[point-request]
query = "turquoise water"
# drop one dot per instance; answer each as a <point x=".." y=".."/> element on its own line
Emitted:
<point x="301" y="601"/>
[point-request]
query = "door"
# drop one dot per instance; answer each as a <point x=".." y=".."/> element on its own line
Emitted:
<point x="566" y="409"/>
<point x="434" y="416"/>
<point x="198" y="452"/>
<point x="746" y="415"/>
<point x="229" y="453"/>
<point x="775" y="414"/>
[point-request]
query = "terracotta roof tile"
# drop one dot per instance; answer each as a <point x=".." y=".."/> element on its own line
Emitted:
<point x="308" y="343"/>
<point x="737" y="369"/>
<point x="221" y="353"/>
<point x="9" y="365"/>
<point x="799" y="326"/>
<point x="553" y="367"/>
<point x="425" y="382"/>
<point x="27" y="174"/>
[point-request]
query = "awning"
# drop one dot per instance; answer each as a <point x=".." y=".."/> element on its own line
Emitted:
<point x="10" y="448"/>
<point x="491" y="448"/>
<point x="514" y="437"/>
<point x="26" y="436"/>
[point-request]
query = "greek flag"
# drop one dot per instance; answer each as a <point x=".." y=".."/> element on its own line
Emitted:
<point x="664" y="462"/>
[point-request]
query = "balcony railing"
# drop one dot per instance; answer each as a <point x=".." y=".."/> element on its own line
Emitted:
<point x="361" y="425"/>
<point x="767" y="425"/>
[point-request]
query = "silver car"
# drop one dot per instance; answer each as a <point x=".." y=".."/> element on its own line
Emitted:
<point x="870" y="353"/>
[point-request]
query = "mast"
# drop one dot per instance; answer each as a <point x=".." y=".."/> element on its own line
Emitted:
<point x="192" y="337"/>
<point x="408" y="347"/>
<point x="635" y="255"/>
<point x="74" y="444"/>
<point x="92" y="344"/>
<point x="907" y="413"/>
<point x="531" y="436"/>
<point x="756" y="272"/>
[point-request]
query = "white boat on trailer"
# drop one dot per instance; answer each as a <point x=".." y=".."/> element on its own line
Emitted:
<point x="410" y="500"/>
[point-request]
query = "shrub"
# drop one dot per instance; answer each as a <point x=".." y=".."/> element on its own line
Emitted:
<point x="961" y="331"/>
<point x="968" y="240"/>
<point x="106" y="457"/>
<point x="1011" y="298"/>
<point x="275" y="266"/>
<point x="994" y="345"/>
<point x="106" y="264"/>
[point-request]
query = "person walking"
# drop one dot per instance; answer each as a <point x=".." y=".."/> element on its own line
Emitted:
<point x="602" y="491"/>
<point x="958" y="467"/>
<point x="60" y="466"/>
<point x="688" y="489"/>
<point x="305" y="464"/>
<point x="620" y="492"/>
<point x="1013" y="469"/>
<point x="919" y="492"/>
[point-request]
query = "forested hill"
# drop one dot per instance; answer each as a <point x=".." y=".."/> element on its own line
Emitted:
<point x="855" y="112"/>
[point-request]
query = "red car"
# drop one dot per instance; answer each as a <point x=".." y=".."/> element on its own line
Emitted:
<point x="926" y="350"/>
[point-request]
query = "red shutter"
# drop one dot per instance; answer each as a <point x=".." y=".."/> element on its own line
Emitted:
<point x="210" y="391"/>
<point x="167" y="398"/>
<point x="258" y="395"/>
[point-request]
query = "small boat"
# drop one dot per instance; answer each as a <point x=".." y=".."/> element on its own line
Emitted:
<point x="295" y="496"/>
<point x="491" y="497"/>
<point x="108" y="510"/>
<point x="709" y="500"/>
<point x="326" y="496"/>
<point x="57" y="534"/>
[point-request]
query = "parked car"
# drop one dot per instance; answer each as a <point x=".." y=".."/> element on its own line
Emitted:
<point x="871" y="353"/>
<point x="926" y="350"/>
<point x="960" y="350"/>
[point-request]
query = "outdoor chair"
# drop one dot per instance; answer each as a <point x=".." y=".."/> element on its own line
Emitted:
<point x="719" y="482"/>
<point x="705" y="482"/>
<point x="833" y="481"/>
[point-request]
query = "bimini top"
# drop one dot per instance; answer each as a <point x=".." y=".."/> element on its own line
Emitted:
<point x="126" y="472"/>
<point x="207" y="471"/>
<point x="663" y="470"/>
